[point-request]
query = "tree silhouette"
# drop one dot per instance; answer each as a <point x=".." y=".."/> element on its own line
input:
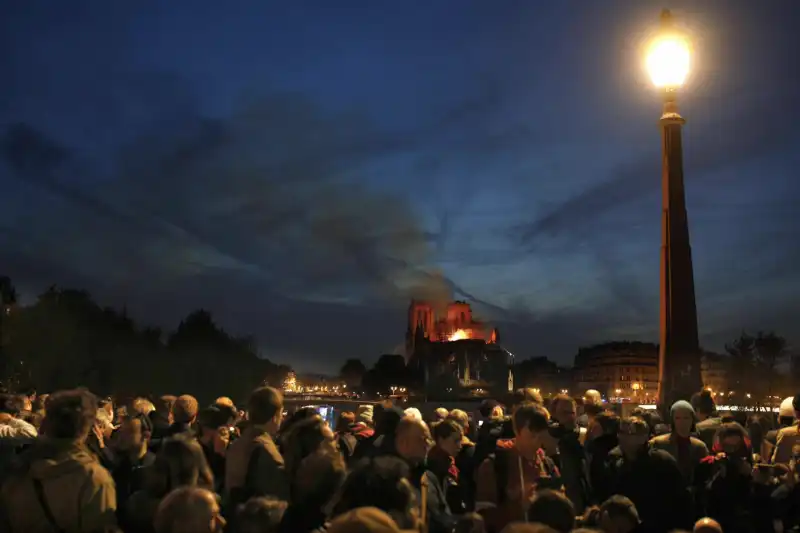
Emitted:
<point x="352" y="372"/>
<point x="66" y="340"/>
<point x="753" y="363"/>
<point x="771" y="351"/>
<point x="389" y="371"/>
<point x="741" y="361"/>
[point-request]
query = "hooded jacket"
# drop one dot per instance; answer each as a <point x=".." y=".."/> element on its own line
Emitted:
<point x="78" y="491"/>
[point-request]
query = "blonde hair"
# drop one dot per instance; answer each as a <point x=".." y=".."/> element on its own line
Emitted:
<point x="142" y="406"/>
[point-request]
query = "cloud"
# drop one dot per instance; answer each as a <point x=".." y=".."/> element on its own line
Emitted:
<point x="760" y="129"/>
<point x="269" y="191"/>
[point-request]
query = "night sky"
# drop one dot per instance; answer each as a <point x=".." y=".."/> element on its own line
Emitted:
<point x="301" y="168"/>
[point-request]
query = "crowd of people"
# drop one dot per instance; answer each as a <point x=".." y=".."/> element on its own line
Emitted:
<point x="70" y="462"/>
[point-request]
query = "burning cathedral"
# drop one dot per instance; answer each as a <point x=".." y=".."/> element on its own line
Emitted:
<point x="455" y="355"/>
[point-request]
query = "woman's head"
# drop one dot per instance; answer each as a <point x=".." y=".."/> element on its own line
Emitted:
<point x="304" y="438"/>
<point x="448" y="435"/>
<point x="181" y="462"/>
<point x="381" y="483"/>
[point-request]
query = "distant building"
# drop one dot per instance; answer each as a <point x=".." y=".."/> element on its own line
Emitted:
<point x="714" y="371"/>
<point x="455" y="355"/>
<point x="454" y="322"/>
<point x="544" y="375"/>
<point x="625" y="371"/>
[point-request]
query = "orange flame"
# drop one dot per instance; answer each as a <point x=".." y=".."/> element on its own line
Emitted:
<point x="459" y="334"/>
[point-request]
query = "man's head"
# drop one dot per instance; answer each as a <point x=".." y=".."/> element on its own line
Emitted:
<point x="633" y="435"/>
<point x="526" y="395"/>
<point x="189" y="510"/>
<point x="563" y="410"/>
<point x="703" y="404"/>
<point x="604" y="423"/>
<point x="682" y="418"/>
<point x="134" y="433"/>
<point x="413" y="440"/>
<point x="260" y="515"/>
<point x="184" y="411"/>
<point x="732" y="440"/>
<point x="618" y="514"/>
<point x="265" y="407"/>
<point x="531" y="424"/>
<point x="164" y="404"/>
<point x="12" y="404"/>
<point x="707" y="525"/>
<point x="384" y="482"/>
<point x="591" y="396"/>
<point x="70" y="415"/>
<point x="553" y="509"/>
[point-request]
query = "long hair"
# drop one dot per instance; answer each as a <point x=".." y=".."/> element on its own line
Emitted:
<point x="180" y="462"/>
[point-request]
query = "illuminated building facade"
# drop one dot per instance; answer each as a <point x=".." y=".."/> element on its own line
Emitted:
<point x="714" y="372"/>
<point x="623" y="371"/>
<point x="454" y="323"/>
<point x="455" y="355"/>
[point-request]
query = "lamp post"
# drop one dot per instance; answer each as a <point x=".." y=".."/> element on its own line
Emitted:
<point x="668" y="63"/>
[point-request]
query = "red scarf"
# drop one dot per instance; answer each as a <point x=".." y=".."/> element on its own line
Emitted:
<point x="439" y="456"/>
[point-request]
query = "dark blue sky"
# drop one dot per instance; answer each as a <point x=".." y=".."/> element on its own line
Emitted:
<point x="302" y="168"/>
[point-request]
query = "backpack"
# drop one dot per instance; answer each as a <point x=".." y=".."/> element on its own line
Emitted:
<point x="239" y="495"/>
<point x="500" y="460"/>
<point x="347" y="445"/>
<point x="486" y="444"/>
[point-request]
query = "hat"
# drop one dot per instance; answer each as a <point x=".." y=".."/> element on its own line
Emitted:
<point x="680" y="405"/>
<point x="364" y="414"/>
<point x="796" y="402"/>
<point x="363" y="520"/>
<point x="787" y="408"/>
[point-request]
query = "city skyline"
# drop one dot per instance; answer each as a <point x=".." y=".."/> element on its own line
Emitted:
<point x="303" y="172"/>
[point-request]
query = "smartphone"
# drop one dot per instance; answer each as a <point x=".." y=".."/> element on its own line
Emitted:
<point x="480" y="423"/>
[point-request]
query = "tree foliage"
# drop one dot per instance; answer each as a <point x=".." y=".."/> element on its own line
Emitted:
<point x="352" y="372"/>
<point x="66" y="339"/>
<point x="389" y="371"/>
<point x="754" y="362"/>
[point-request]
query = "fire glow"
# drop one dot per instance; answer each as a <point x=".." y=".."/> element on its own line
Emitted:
<point x="459" y="334"/>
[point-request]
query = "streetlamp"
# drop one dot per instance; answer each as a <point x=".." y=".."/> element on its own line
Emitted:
<point x="668" y="62"/>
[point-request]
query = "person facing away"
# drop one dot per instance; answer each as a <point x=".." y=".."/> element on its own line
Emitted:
<point x="189" y="510"/>
<point x="318" y="479"/>
<point x="59" y="485"/>
<point x="179" y="463"/>
<point x="707" y="422"/>
<point x="253" y="464"/>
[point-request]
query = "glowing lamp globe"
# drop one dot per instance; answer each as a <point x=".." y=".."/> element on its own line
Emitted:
<point x="669" y="56"/>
